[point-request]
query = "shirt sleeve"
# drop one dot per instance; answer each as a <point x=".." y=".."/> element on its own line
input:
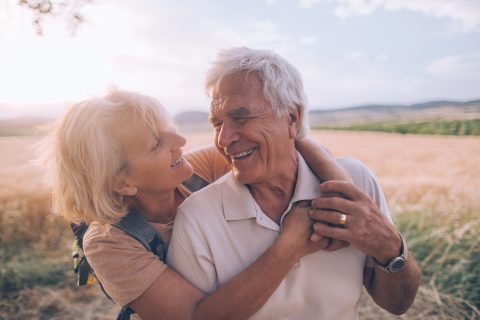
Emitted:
<point x="207" y="163"/>
<point x="122" y="264"/>
<point x="189" y="252"/>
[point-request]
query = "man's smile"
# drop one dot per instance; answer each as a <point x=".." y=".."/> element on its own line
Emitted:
<point x="244" y="154"/>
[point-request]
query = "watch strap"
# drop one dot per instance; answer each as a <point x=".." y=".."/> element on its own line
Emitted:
<point x="390" y="267"/>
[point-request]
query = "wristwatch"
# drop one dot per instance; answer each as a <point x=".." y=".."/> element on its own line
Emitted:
<point x="398" y="263"/>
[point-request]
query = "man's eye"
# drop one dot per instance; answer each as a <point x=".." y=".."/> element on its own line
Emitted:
<point x="240" y="120"/>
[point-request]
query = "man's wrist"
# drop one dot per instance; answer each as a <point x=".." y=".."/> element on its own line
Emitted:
<point x="396" y="263"/>
<point x="392" y="253"/>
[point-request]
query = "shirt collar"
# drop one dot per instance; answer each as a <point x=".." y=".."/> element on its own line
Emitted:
<point x="238" y="203"/>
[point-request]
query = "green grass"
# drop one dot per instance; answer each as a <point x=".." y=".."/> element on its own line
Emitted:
<point x="34" y="253"/>
<point x="441" y="127"/>
<point x="30" y="270"/>
<point x="447" y="250"/>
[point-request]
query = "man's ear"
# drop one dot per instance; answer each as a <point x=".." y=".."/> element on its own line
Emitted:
<point x="294" y="117"/>
<point x="124" y="186"/>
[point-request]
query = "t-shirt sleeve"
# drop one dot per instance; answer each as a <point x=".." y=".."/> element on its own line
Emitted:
<point x="207" y="163"/>
<point x="122" y="265"/>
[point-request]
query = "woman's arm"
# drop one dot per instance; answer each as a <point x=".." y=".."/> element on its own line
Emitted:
<point x="320" y="160"/>
<point x="173" y="297"/>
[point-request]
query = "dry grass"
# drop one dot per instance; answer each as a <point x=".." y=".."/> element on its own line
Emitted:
<point x="431" y="183"/>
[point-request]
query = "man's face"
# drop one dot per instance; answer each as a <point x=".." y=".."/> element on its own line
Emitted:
<point x="254" y="140"/>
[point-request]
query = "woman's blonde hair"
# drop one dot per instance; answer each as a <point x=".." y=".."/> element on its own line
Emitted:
<point x="84" y="156"/>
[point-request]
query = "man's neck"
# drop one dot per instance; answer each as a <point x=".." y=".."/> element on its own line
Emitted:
<point x="274" y="196"/>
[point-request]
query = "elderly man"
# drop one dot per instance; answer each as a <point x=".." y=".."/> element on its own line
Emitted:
<point x="258" y="112"/>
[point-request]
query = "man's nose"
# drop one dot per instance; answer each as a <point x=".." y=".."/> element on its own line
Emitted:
<point x="227" y="135"/>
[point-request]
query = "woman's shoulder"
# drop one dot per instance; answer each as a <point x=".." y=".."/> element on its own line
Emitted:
<point x="121" y="263"/>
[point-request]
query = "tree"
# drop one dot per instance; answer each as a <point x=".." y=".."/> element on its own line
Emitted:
<point x="70" y="9"/>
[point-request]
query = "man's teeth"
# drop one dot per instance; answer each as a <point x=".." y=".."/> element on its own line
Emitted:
<point x="176" y="163"/>
<point x="244" y="153"/>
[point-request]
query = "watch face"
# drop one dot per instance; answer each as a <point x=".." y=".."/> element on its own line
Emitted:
<point x="397" y="264"/>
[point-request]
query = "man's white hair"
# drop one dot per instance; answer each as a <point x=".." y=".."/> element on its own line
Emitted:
<point x="282" y="83"/>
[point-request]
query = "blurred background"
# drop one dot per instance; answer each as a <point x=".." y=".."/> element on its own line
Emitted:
<point x="394" y="83"/>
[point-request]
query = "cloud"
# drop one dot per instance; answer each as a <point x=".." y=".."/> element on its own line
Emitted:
<point x="457" y="75"/>
<point x="354" y="55"/>
<point x="308" y="40"/>
<point x="464" y="14"/>
<point x="457" y="68"/>
<point x="307" y="3"/>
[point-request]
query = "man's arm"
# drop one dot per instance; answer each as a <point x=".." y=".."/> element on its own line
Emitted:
<point x="370" y="231"/>
<point x="394" y="292"/>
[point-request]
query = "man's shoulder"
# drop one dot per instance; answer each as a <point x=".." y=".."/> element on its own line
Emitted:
<point x="351" y="164"/>
<point x="207" y="196"/>
<point x="361" y="175"/>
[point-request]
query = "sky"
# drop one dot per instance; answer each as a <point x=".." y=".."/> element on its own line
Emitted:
<point x="349" y="52"/>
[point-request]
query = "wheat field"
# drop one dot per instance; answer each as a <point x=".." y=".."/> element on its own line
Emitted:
<point x="431" y="183"/>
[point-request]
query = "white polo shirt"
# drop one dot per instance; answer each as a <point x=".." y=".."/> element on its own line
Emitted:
<point x="220" y="230"/>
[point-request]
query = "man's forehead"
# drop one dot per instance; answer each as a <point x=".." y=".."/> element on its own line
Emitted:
<point x="236" y="92"/>
<point x="217" y="108"/>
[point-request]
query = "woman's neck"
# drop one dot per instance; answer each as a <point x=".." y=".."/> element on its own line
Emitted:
<point x="158" y="208"/>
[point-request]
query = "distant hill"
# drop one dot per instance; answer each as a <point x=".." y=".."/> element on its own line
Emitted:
<point x="192" y="120"/>
<point x="21" y="126"/>
<point x="327" y="118"/>
<point x="427" y="111"/>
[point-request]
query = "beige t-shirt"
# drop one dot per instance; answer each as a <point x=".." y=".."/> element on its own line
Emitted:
<point x="123" y="266"/>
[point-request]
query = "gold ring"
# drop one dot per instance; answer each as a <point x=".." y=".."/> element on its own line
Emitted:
<point x="343" y="219"/>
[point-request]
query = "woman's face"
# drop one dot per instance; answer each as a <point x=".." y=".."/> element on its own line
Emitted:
<point x="155" y="161"/>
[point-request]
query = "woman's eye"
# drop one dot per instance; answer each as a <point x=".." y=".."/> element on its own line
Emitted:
<point x="158" y="144"/>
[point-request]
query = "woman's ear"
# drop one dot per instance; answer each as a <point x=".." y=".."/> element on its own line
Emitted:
<point x="294" y="117"/>
<point x="124" y="186"/>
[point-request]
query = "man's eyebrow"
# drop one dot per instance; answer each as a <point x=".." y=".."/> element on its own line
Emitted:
<point x="239" y="112"/>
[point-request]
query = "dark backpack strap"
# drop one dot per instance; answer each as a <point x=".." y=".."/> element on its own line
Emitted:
<point x="136" y="226"/>
<point x="195" y="183"/>
<point x="79" y="230"/>
<point x="125" y="313"/>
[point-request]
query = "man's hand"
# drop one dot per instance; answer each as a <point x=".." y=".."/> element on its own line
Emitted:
<point x="365" y="227"/>
<point x="297" y="230"/>
<point x="296" y="225"/>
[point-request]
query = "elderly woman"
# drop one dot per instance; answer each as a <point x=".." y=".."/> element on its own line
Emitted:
<point x="111" y="155"/>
